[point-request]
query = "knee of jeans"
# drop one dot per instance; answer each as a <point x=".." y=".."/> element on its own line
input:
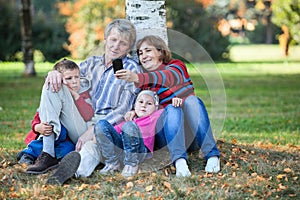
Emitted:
<point x="129" y="126"/>
<point x="190" y="100"/>
<point x="100" y="125"/>
<point x="173" y="111"/>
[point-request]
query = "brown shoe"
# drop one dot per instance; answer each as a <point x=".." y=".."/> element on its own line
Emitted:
<point x="43" y="163"/>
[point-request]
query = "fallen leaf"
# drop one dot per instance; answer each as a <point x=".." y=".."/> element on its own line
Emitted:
<point x="234" y="141"/>
<point x="282" y="187"/>
<point x="129" y="185"/>
<point x="149" y="188"/>
<point x="83" y="186"/>
<point x="287" y="170"/>
<point x="280" y="176"/>
<point x="168" y="185"/>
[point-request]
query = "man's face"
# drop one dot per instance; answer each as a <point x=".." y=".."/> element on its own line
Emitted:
<point x="116" y="45"/>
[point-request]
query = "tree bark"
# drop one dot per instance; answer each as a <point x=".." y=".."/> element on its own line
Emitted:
<point x="26" y="32"/>
<point x="148" y="16"/>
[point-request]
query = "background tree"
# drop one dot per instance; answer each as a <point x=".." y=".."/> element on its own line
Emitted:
<point x="48" y="30"/>
<point x="191" y="18"/>
<point x="26" y="32"/>
<point x="149" y="17"/>
<point x="9" y="30"/>
<point x="287" y="13"/>
<point x="86" y="22"/>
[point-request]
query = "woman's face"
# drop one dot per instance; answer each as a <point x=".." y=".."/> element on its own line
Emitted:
<point x="149" y="57"/>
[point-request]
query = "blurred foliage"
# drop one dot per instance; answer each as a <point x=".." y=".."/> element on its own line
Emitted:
<point x="86" y="22"/>
<point x="37" y="55"/>
<point x="287" y="13"/>
<point x="76" y="27"/>
<point x="258" y="36"/>
<point x="9" y="30"/>
<point x="48" y="30"/>
<point x="190" y="17"/>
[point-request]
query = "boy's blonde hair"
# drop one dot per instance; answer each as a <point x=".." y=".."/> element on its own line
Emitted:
<point x="64" y="65"/>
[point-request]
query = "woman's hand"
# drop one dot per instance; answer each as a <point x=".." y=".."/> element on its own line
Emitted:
<point x="177" y="102"/>
<point x="85" y="137"/>
<point x="129" y="115"/>
<point x="127" y="75"/>
<point x="54" y="80"/>
<point x="43" y="128"/>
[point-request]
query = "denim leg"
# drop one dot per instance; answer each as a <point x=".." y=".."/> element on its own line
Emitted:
<point x="134" y="147"/>
<point x="169" y="131"/>
<point x="110" y="141"/>
<point x="196" y="117"/>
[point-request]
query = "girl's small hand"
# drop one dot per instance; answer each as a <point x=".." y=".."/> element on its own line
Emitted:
<point x="177" y="102"/>
<point x="129" y="115"/>
<point x="127" y="75"/>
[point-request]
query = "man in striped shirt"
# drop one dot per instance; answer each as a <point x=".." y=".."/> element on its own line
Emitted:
<point x="111" y="98"/>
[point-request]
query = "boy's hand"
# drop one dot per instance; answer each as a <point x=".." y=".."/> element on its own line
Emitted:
<point x="74" y="94"/>
<point x="85" y="137"/>
<point x="44" y="128"/>
<point x="177" y="102"/>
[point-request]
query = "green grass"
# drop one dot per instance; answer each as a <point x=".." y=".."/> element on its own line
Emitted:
<point x="259" y="140"/>
<point x="263" y="53"/>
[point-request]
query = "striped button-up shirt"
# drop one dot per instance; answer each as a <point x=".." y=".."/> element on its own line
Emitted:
<point x="111" y="97"/>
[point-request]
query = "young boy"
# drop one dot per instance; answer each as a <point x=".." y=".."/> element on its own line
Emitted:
<point x="49" y="144"/>
<point x="134" y="139"/>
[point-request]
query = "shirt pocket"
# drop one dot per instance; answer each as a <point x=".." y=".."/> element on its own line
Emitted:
<point x="116" y="93"/>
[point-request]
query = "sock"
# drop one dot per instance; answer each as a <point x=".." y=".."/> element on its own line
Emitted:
<point x="48" y="144"/>
<point x="213" y="165"/>
<point x="182" y="169"/>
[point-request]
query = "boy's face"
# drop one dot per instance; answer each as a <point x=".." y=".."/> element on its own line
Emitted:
<point x="144" y="105"/>
<point x="72" y="79"/>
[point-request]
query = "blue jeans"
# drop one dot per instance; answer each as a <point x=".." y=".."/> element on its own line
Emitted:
<point x="128" y="145"/>
<point x="198" y="133"/>
<point x="186" y="128"/>
<point x="61" y="145"/>
<point x="170" y="132"/>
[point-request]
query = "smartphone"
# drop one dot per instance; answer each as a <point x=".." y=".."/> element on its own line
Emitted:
<point x="117" y="64"/>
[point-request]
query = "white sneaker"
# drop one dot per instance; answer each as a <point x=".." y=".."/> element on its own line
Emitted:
<point x="129" y="170"/>
<point x="182" y="169"/>
<point x="109" y="168"/>
<point x="213" y="165"/>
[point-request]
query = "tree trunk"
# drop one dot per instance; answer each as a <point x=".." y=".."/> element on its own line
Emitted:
<point x="148" y="16"/>
<point x="269" y="32"/>
<point x="26" y="32"/>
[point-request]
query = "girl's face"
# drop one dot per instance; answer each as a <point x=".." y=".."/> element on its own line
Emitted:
<point x="144" y="105"/>
<point x="116" y="45"/>
<point x="72" y="79"/>
<point x="149" y="57"/>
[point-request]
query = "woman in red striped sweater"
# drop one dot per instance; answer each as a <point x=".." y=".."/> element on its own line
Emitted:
<point x="182" y="128"/>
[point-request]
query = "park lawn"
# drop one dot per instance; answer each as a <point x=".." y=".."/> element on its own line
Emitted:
<point x="258" y="137"/>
